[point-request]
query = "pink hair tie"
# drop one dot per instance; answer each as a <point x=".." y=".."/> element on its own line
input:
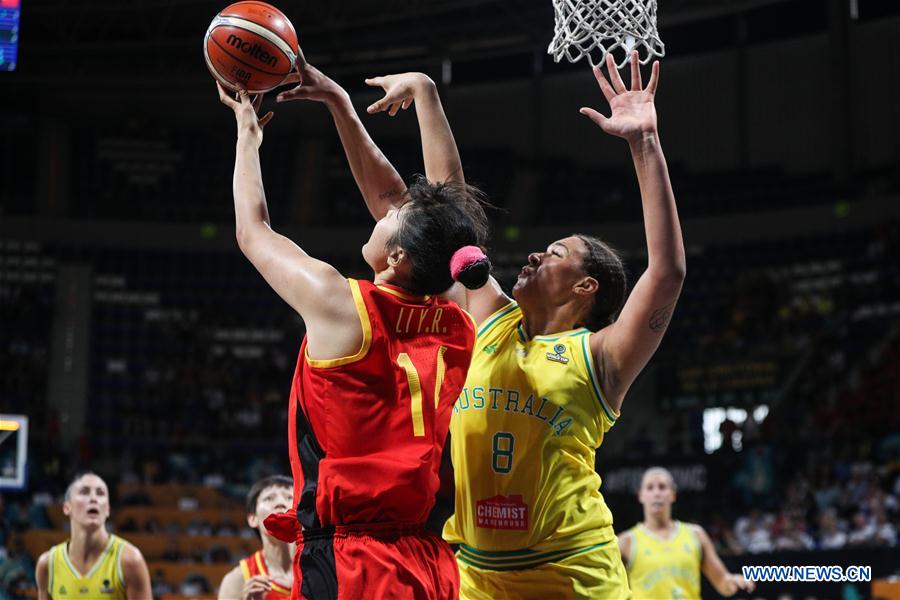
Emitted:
<point x="463" y="258"/>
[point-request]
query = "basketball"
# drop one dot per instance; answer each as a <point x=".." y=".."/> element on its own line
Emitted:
<point x="250" y="44"/>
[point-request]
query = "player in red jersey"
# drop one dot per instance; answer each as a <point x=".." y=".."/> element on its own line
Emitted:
<point x="266" y="574"/>
<point x="379" y="371"/>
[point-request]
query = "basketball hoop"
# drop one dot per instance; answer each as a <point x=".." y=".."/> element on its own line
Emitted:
<point x="595" y="28"/>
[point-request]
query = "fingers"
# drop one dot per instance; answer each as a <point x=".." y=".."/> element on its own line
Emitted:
<point x="636" y="84"/>
<point x="298" y="92"/>
<point x="265" y="119"/>
<point x="224" y="98"/>
<point x="395" y="108"/>
<point x="614" y="76"/>
<point x="608" y="92"/>
<point x="594" y="116"/>
<point x="654" y="78"/>
<point x="256" y="587"/>
<point x="375" y="81"/>
<point x="257" y="101"/>
<point x="293" y="77"/>
<point x="379" y="106"/>
<point x="407" y="103"/>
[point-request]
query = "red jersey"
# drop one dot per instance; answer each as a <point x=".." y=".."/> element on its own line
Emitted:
<point x="366" y="432"/>
<point x="255" y="564"/>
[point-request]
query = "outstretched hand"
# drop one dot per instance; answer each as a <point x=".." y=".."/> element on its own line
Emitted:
<point x="313" y="85"/>
<point x="400" y="91"/>
<point x="245" y="111"/>
<point x="633" y="112"/>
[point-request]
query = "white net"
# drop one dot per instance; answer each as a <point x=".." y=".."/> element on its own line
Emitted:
<point x="595" y="28"/>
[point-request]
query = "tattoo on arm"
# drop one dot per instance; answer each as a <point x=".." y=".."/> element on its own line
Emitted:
<point x="388" y="194"/>
<point x="659" y="320"/>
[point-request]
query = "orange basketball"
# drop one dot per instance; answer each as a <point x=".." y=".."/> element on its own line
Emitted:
<point x="250" y="44"/>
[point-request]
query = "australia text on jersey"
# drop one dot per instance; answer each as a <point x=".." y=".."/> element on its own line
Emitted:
<point x="509" y="401"/>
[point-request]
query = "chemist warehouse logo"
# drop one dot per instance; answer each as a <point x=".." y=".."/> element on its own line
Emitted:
<point x="557" y="354"/>
<point x="502" y="512"/>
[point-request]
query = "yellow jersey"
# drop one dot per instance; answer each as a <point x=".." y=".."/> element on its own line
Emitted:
<point x="104" y="581"/>
<point x="664" y="568"/>
<point x="524" y="432"/>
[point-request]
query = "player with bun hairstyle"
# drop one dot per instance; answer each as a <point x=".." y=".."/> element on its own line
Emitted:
<point x="380" y="368"/>
<point x="551" y="365"/>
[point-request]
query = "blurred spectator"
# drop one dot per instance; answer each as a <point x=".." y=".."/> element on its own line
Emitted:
<point x="159" y="585"/>
<point x="754" y="532"/>
<point x="830" y="535"/>
<point x="195" y="584"/>
<point x="885" y="532"/>
<point x="793" y="535"/>
<point x="862" y="531"/>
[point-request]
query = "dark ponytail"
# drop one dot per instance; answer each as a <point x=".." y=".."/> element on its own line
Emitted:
<point x="438" y="220"/>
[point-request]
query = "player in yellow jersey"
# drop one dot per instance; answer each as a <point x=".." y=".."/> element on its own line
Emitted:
<point x="93" y="563"/>
<point x="664" y="557"/>
<point x="267" y="574"/>
<point x="551" y="367"/>
<point x="550" y="372"/>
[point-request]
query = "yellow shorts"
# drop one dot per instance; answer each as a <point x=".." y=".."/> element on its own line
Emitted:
<point x="597" y="574"/>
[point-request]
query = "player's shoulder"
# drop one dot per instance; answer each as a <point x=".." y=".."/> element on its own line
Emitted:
<point x="43" y="561"/>
<point x="234" y="575"/>
<point x="505" y="316"/>
<point x="232" y="584"/>
<point x="696" y="530"/>
<point x="628" y="534"/>
<point x="131" y="560"/>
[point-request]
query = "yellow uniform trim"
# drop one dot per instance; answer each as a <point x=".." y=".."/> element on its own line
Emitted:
<point x="280" y="588"/>
<point x="595" y="381"/>
<point x="439" y="377"/>
<point x="51" y="569"/>
<point x="260" y="564"/>
<point x="94" y="567"/>
<point x="245" y="570"/>
<point x="403" y="295"/>
<point x="415" y="392"/>
<point x="495" y="318"/>
<point x="363" y="312"/>
<point x="119" y="550"/>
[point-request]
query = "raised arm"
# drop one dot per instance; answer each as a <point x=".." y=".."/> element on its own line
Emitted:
<point x="442" y="163"/>
<point x="378" y="181"/>
<point x="726" y="583"/>
<point x="623" y="348"/>
<point x="313" y="288"/>
<point x="439" y="152"/>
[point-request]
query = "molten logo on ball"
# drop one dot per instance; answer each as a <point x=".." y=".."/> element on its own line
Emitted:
<point x="253" y="50"/>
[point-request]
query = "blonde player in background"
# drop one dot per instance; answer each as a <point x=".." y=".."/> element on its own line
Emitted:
<point x="93" y="563"/>
<point x="267" y="574"/>
<point x="664" y="557"/>
<point x="551" y="367"/>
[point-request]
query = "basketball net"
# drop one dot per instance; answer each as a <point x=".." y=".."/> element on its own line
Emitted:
<point x="595" y="28"/>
